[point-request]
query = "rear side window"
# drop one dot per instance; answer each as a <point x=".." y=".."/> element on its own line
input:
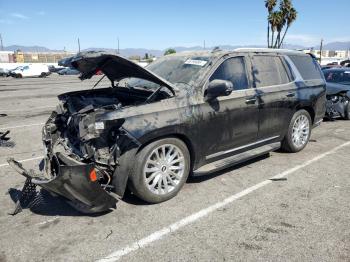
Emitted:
<point x="233" y="70"/>
<point x="269" y="71"/>
<point x="306" y="66"/>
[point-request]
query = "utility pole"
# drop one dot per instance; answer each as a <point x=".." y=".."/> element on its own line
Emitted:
<point x="2" y="46"/>
<point x="204" y="44"/>
<point x="118" y="44"/>
<point x="321" y="46"/>
<point x="78" y="44"/>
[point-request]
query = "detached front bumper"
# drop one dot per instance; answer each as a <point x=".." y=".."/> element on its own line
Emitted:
<point x="74" y="182"/>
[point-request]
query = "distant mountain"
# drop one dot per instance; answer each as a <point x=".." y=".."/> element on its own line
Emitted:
<point x="337" y="46"/>
<point x="127" y="52"/>
<point x="142" y="51"/>
<point x="29" y="48"/>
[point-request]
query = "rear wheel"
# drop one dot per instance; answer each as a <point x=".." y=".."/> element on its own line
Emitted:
<point x="43" y="74"/>
<point x="299" y="132"/>
<point x="161" y="169"/>
<point x="19" y="76"/>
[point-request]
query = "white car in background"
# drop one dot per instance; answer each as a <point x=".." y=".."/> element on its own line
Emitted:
<point x="31" y="70"/>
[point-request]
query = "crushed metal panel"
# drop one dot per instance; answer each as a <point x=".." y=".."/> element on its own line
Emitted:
<point x="72" y="182"/>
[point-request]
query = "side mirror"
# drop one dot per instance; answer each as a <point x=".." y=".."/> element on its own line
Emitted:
<point x="218" y="88"/>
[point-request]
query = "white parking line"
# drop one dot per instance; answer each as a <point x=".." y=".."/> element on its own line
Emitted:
<point x="24" y="160"/>
<point x="206" y="211"/>
<point x="12" y="127"/>
<point x="26" y="109"/>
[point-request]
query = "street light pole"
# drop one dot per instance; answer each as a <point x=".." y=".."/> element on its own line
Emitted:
<point x="321" y="46"/>
<point x="2" y="46"/>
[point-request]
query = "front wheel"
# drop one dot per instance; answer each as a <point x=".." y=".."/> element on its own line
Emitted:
<point x="299" y="132"/>
<point x="160" y="170"/>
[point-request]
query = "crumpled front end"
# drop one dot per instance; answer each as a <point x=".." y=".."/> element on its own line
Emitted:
<point x="337" y="104"/>
<point x="82" y="152"/>
<point x="77" y="183"/>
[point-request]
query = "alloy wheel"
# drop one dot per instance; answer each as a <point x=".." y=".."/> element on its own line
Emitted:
<point x="164" y="169"/>
<point x="301" y="131"/>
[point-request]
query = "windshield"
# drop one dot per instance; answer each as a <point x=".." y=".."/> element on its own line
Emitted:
<point x="340" y="77"/>
<point x="174" y="69"/>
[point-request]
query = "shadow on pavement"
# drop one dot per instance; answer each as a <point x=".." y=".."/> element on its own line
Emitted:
<point x="44" y="203"/>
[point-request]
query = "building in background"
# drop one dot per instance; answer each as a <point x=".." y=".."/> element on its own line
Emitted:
<point x="32" y="57"/>
<point x="6" y="57"/>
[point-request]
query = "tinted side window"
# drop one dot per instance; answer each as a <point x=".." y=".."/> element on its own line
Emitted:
<point x="269" y="71"/>
<point x="306" y="66"/>
<point x="342" y="77"/>
<point x="232" y="69"/>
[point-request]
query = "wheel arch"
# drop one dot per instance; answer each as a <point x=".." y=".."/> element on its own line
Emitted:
<point x="309" y="109"/>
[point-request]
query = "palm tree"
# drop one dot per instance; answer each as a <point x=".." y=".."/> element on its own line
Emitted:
<point x="274" y="20"/>
<point x="285" y="6"/>
<point x="270" y="5"/>
<point x="290" y="18"/>
<point x="277" y="20"/>
<point x="280" y="23"/>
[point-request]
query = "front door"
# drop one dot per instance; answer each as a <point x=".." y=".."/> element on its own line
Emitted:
<point x="231" y="121"/>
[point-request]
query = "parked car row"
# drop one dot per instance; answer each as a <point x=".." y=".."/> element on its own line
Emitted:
<point x="37" y="70"/>
<point x="30" y="70"/>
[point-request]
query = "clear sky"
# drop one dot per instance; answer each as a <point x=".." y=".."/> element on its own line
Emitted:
<point x="156" y="24"/>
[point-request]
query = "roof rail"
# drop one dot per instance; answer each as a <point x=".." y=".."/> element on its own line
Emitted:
<point x="266" y="50"/>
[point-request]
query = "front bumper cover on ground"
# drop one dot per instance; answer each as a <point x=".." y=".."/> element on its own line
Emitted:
<point x="73" y="183"/>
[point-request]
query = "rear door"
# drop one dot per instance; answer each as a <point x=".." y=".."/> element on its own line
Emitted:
<point x="277" y="94"/>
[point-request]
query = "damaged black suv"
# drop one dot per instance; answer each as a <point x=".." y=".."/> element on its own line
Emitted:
<point x="194" y="112"/>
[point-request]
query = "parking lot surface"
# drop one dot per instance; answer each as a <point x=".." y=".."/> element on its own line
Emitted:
<point x="238" y="214"/>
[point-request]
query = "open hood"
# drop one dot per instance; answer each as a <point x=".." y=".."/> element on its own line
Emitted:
<point x="114" y="67"/>
<point x="66" y="62"/>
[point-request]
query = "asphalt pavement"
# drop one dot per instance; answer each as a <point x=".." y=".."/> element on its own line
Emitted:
<point x="238" y="214"/>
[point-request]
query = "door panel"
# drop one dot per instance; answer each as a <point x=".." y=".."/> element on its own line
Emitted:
<point x="231" y="120"/>
<point x="276" y="109"/>
<point x="277" y="94"/>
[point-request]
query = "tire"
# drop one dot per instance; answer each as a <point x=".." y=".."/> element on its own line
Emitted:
<point x="19" y="76"/>
<point x="347" y="111"/>
<point x="296" y="142"/>
<point x="160" y="171"/>
<point x="43" y="74"/>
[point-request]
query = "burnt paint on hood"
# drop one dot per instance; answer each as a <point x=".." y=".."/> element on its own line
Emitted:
<point x="114" y="67"/>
